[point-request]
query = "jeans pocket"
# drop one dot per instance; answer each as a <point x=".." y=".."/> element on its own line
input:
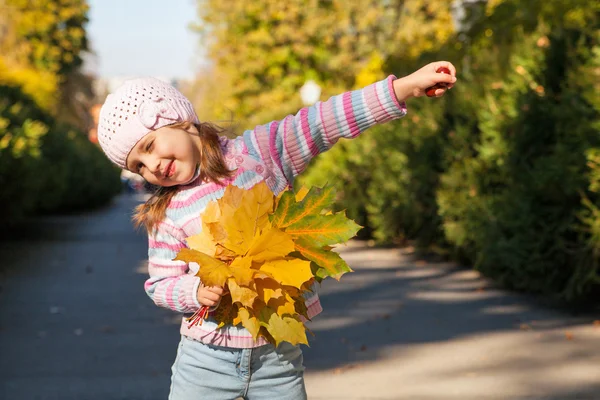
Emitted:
<point x="290" y="357"/>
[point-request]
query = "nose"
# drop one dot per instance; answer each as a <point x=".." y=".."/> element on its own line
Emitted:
<point x="153" y="165"/>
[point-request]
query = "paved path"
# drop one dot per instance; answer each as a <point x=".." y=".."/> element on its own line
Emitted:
<point x="76" y="324"/>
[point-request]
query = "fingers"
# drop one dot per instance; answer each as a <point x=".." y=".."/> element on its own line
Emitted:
<point x="440" y="92"/>
<point x="209" y="295"/>
<point x="208" y="299"/>
<point x="438" y="64"/>
<point x="215" y="289"/>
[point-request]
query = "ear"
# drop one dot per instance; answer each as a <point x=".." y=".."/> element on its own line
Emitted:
<point x="192" y="129"/>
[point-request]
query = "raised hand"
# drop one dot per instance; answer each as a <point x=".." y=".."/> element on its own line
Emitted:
<point x="418" y="83"/>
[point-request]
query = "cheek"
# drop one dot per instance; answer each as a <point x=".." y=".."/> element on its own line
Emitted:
<point x="150" y="178"/>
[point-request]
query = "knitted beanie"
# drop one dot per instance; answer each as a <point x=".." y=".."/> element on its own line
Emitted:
<point x="136" y="108"/>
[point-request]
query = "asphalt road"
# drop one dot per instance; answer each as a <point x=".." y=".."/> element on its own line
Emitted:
<point x="75" y="323"/>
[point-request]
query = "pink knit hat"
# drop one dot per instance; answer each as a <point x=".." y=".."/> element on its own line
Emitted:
<point x="136" y="108"/>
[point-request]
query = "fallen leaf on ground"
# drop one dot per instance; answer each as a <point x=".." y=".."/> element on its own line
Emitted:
<point x="569" y="335"/>
<point x="525" y="327"/>
<point x="345" y="368"/>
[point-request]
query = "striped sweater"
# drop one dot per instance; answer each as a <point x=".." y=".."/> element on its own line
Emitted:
<point x="276" y="153"/>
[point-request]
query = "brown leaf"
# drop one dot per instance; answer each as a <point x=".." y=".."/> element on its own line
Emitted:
<point x="525" y="327"/>
<point x="345" y="368"/>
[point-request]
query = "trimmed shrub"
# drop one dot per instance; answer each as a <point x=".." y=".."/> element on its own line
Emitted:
<point x="45" y="167"/>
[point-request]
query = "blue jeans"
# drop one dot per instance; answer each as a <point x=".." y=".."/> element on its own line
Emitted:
<point x="203" y="371"/>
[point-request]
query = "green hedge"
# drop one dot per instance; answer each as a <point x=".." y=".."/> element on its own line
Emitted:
<point x="503" y="173"/>
<point x="45" y="167"/>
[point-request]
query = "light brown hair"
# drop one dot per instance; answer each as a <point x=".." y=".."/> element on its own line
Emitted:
<point x="212" y="168"/>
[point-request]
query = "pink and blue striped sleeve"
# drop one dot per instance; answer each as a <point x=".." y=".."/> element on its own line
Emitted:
<point x="170" y="284"/>
<point x="287" y="146"/>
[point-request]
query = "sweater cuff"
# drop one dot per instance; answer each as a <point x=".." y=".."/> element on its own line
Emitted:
<point x="193" y="296"/>
<point x="390" y="101"/>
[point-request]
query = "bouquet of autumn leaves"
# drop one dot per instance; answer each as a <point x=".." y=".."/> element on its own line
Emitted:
<point x="267" y="251"/>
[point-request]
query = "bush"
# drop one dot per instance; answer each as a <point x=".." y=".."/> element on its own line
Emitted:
<point x="45" y="167"/>
<point x="504" y="172"/>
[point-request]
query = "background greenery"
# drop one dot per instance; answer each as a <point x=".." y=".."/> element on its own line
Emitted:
<point x="503" y="173"/>
<point x="47" y="164"/>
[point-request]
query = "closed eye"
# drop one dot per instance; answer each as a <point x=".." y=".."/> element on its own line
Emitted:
<point x="149" y="145"/>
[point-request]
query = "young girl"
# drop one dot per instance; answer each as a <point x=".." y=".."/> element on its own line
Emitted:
<point x="150" y="128"/>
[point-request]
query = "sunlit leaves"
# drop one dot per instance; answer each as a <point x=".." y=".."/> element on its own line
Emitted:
<point x="264" y="249"/>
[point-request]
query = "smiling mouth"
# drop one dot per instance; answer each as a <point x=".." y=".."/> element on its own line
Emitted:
<point x="170" y="170"/>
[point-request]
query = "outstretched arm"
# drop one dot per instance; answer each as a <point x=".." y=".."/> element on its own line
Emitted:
<point x="287" y="146"/>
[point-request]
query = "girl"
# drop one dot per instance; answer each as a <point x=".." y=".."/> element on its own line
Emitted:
<point x="150" y="128"/>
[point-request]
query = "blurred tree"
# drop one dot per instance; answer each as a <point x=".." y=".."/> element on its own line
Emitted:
<point x="45" y="164"/>
<point x="523" y="122"/>
<point x="262" y="52"/>
<point x="503" y="171"/>
<point x="41" y="49"/>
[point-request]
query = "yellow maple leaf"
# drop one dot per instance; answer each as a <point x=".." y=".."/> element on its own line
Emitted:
<point x="283" y="305"/>
<point x="233" y="196"/>
<point x="261" y="247"/>
<point x="241" y="270"/>
<point x="224" y="254"/>
<point x="202" y="242"/>
<point x="271" y="244"/>
<point x="250" y="217"/>
<point x="241" y="294"/>
<point x="249" y="321"/>
<point x="283" y="329"/>
<point x="268" y="289"/>
<point x="288" y="272"/>
<point x="212" y="272"/>
<point x="212" y="213"/>
<point x="217" y="232"/>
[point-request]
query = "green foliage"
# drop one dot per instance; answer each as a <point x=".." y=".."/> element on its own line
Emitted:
<point x="44" y="166"/>
<point x="503" y="172"/>
<point x="263" y="51"/>
<point x="49" y="33"/>
<point x="514" y="199"/>
<point x="21" y="125"/>
<point x="41" y="48"/>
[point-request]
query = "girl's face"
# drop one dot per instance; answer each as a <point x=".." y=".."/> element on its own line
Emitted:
<point x="167" y="156"/>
